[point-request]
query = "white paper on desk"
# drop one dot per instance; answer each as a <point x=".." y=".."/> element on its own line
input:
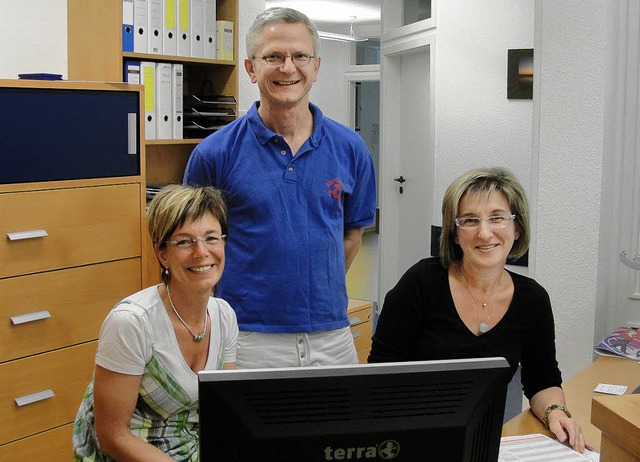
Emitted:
<point x="610" y="389"/>
<point x="540" y="448"/>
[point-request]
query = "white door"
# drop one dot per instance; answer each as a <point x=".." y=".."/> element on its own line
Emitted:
<point x="407" y="157"/>
<point x="414" y="186"/>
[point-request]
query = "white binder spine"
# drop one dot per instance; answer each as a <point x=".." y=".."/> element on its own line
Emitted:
<point x="155" y="18"/>
<point x="196" y="24"/>
<point x="163" y="101"/>
<point x="210" y="29"/>
<point x="177" y="101"/>
<point x="140" y="26"/>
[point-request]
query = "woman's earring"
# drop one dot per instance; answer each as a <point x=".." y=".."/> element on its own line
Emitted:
<point x="166" y="271"/>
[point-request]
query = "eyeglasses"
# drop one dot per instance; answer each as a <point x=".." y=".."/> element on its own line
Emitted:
<point x="494" y="222"/>
<point x="209" y="241"/>
<point x="276" y="59"/>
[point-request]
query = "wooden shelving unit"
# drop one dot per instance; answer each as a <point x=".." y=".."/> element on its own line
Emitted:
<point x="95" y="53"/>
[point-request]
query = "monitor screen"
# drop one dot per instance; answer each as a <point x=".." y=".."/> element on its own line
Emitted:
<point x="404" y="412"/>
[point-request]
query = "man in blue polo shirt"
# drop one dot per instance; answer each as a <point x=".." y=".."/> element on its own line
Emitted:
<point x="300" y="189"/>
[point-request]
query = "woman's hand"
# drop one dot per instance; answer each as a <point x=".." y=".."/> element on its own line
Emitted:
<point x="548" y="406"/>
<point x="567" y="430"/>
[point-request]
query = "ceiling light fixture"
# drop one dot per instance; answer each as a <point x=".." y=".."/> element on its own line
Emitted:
<point x="342" y="37"/>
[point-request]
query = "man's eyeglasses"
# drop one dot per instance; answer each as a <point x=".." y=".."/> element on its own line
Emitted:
<point x="276" y="59"/>
<point x="494" y="222"/>
<point x="209" y="241"/>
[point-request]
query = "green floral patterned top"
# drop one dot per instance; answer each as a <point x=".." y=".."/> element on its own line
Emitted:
<point x="137" y="339"/>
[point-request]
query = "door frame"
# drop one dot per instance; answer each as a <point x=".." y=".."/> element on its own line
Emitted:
<point x="393" y="45"/>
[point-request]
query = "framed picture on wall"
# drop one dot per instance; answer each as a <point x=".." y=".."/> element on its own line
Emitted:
<point x="520" y="73"/>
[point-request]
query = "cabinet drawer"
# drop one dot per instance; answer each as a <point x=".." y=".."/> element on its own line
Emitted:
<point x="82" y="226"/>
<point x="359" y="311"/>
<point x="359" y="316"/>
<point x="362" y="336"/>
<point x="53" y="446"/>
<point x="46" y="311"/>
<point x="65" y="372"/>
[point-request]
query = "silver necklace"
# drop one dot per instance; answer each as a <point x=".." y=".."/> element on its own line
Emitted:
<point x="196" y="337"/>
<point x="483" y="327"/>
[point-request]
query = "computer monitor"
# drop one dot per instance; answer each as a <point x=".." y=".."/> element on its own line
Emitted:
<point x="404" y="412"/>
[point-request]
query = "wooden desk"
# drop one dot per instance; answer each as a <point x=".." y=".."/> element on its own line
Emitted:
<point x="579" y="393"/>
<point x="618" y="417"/>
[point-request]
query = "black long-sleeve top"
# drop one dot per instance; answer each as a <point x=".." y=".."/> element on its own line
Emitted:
<point x="419" y="321"/>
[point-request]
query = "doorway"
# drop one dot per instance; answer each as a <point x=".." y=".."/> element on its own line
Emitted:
<point x="362" y="278"/>
<point x="407" y="161"/>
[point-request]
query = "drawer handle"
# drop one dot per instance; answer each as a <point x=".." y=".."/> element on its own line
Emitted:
<point x="354" y="320"/>
<point x="132" y="139"/>
<point x="30" y="317"/>
<point x="356" y="334"/>
<point x="20" y="235"/>
<point x="34" y="398"/>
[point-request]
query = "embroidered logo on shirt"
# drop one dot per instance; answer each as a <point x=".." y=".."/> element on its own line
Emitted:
<point x="335" y="188"/>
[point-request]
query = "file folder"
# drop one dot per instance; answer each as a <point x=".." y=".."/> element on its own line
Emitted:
<point x="170" y="38"/>
<point x="177" y="101"/>
<point x="210" y="29"/>
<point x="196" y="25"/>
<point x="163" y="101"/>
<point x="127" y="25"/>
<point x="132" y="71"/>
<point x="155" y="18"/>
<point x="148" y="79"/>
<point x="224" y="40"/>
<point x="140" y="26"/>
<point x="182" y="21"/>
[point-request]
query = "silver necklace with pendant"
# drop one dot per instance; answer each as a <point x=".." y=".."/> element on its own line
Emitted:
<point x="196" y="337"/>
<point x="483" y="327"/>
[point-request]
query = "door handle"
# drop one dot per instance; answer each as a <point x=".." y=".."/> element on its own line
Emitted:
<point x="400" y="180"/>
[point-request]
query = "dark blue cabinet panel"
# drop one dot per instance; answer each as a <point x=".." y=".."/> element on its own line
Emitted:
<point x="64" y="134"/>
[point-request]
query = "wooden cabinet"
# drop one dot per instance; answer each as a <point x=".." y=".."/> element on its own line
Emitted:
<point x="618" y="417"/>
<point x="360" y="313"/>
<point x="95" y="53"/>
<point x="71" y="248"/>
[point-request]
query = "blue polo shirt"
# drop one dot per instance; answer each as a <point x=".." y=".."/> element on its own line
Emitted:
<point x="285" y="262"/>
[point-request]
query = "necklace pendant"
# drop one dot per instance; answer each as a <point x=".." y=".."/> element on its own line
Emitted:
<point x="199" y="337"/>
<point x="483" y="327"/>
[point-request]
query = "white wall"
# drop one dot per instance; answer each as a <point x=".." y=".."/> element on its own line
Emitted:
<point x="38" y="44"/>
<point x="329" y="92"/>
<point x="247" y="92"/>
<point x="554" y="143"/>
<point x="476" y="125"/>
<point x="569" y="129"/>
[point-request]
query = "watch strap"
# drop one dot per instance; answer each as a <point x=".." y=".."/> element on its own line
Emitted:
<point x="554" y="407"/>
